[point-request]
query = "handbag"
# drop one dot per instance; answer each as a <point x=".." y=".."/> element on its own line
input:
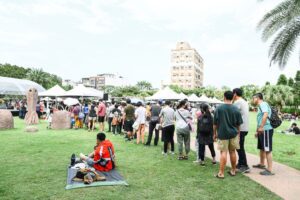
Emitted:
<point x="189" y="125"/>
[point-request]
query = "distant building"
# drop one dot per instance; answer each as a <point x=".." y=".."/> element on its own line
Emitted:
<point x="68" y="82"/>
<point x="186" y="67"/>
<point x="102" y="80"/>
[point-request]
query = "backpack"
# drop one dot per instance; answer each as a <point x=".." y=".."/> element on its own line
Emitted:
<point x="205" y="125"/>
<point x="275" y="120"/>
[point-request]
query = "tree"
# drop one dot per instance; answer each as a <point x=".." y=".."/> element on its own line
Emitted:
<point x="297" y="89"/>
<point x="267" y="83"/>
<point x="278" y="95"/>
<point x="249" y="91"/>
<point x="38" y="76"/>
<point x="13" y="71"/>
<point x="282" y="80"/>
<point x="144" y="85"/>
<point x="281" y="23"/>
<point x="291" y="82"/>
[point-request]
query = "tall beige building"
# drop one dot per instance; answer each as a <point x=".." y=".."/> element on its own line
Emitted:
<point x="187" y="67"/>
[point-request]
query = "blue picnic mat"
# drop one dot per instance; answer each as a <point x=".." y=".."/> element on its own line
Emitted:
<point x="112" y="178"/>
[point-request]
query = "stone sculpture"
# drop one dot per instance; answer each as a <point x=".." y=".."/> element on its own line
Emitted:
<point x="31" y="115"/>
<point x="61" y="120"/>
<point x="6" y="119"/>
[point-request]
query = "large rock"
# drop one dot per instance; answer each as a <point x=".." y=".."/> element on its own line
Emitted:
<point x="61" y="120"/>
<point x="6" y="119"/>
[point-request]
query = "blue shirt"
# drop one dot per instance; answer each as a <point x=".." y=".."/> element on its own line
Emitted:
<point x="264" y="108"/>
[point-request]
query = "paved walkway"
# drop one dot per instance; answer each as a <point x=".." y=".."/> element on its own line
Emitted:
<point x="285" y="183"/>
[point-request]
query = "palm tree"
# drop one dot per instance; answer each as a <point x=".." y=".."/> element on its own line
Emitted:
<point x="283" y="22"/>
<point x="38" y="76"/>
<point x="279" y="95"/>
<point x="144" y="85"/>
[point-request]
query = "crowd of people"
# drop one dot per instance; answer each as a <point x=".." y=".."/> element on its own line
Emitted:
<point x="227" y="124"/>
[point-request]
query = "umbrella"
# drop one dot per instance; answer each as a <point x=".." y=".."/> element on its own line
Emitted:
<point x="136" y="100"/>
<point x="71" y="101"/>
<point x="13" y="86"/>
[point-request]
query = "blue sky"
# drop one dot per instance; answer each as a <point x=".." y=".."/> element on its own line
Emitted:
<point x="78" y="38"/>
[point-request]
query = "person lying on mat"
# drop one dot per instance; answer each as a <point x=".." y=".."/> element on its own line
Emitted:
<point x="103" y="157"/>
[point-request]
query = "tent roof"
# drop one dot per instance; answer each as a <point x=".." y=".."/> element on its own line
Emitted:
<point x="13" y="86"/>
<point x="216" y="101"/>
<point x="183" y="96"/>
<point x="194" y="98"/>
<point x="165" y="94"/>
<point x="204" y="98"/>
<point x="82" y="91"/>
<point x="53" y="92"/>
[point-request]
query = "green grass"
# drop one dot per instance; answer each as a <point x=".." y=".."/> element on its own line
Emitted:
<point x="286" y="148"/>
<point x="33" y="166"/>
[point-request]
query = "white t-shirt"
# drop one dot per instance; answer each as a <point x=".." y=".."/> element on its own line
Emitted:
<point x="182" y="118"/>
<point x="110" y="114"/>
<point x="243" y="107"/>
<point x="140" y="114"/>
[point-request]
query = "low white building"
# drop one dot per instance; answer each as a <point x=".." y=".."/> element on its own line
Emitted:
<point x="102" y="80"/>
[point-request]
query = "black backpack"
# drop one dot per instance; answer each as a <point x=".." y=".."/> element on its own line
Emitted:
<point x="205" y="125"/>
<point x="275" y="120"/>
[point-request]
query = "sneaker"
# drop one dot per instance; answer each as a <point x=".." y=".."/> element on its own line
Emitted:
<point x="172" y="153"/>
<point x="243" y="170"/>
<point x="266" y="173"/>
<point x="202" y="163"/>
<point x="164" y="154"/>
<point x="196" y="161"/>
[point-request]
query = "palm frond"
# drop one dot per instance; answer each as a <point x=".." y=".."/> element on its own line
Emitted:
<point x="277" y="11"/>
<point x="284" y="43"/>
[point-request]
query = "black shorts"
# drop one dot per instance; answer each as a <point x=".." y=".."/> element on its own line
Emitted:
<point x="128" y="125"/>
<point x="265" y="141"/>
<point x="101" y="119"/>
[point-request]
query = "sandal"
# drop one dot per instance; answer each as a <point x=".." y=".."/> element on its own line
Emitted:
<point x="214" y="162"/>
<point x="185" y="157"/>
<point x="230" y="173"/>
<point x="259" y="166"/>
<point x="180" y="158"/>
<point x="219" y="177"/>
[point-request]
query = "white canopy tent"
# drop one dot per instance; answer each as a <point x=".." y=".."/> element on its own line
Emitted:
<point x="82" y="91"/>
<point x="216" y="101"/>
<point x="165" y="94"/>
<point x="204" y="98"/>
<point x="193" y="98"/>
<point x="183" y="96"/>
<point x="13" y="86"/>
<point x="53" y="92"/>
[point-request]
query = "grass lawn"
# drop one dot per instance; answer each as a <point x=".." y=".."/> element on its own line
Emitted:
<point x="286" y="148"/>
<point x="33" y="166"/>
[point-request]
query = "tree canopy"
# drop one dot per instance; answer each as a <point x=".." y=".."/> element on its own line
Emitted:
<point x="45" y="79"/>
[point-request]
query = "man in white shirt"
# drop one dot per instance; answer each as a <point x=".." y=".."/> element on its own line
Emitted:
<point x="243" y="107"/>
